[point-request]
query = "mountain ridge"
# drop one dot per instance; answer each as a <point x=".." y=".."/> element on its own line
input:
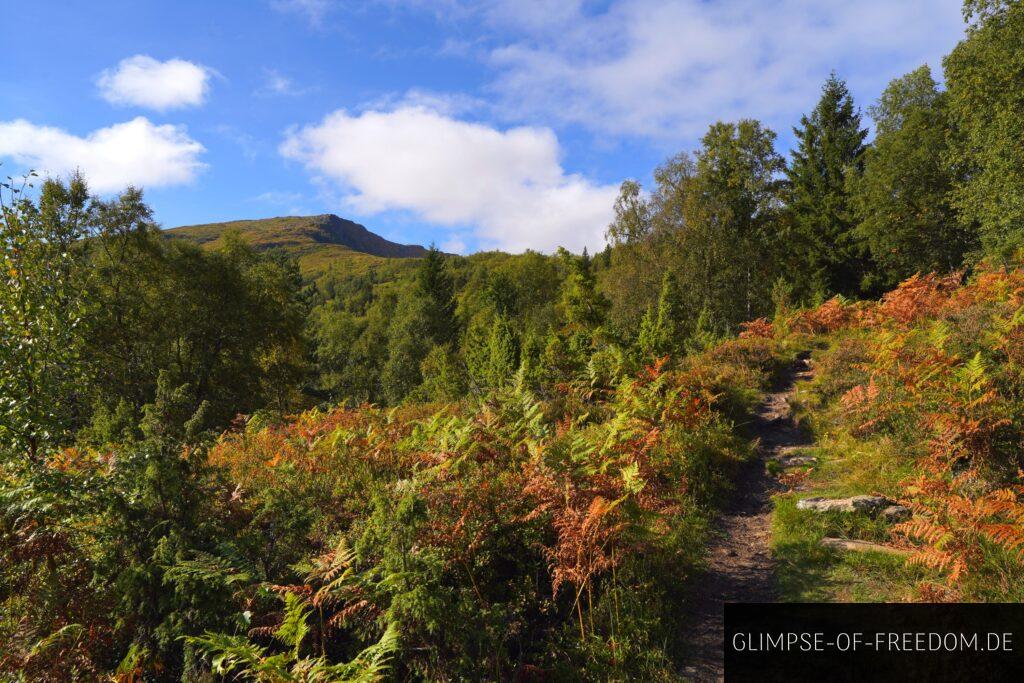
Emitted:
<point x="315" y="241"/>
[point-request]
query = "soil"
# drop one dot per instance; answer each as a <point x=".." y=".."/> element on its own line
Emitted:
<point x="739" y="566"/>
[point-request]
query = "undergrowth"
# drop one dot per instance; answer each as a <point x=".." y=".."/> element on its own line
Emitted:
<point x="513" y="536"/>
<point x="918" y="398"/>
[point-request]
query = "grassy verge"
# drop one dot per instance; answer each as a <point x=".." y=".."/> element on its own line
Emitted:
<point x="809" y="572"/>
<point x="846" y="466"/>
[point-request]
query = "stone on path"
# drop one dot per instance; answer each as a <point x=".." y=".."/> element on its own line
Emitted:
<point x="872" y="505"/>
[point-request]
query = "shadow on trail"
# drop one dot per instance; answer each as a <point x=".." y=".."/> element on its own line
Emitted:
<point x="740" y="567"/>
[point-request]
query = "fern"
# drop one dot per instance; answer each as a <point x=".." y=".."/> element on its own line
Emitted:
<point x="62" y="636"/>
<point x="207" y="568"/>
<point x="236" y="656"/>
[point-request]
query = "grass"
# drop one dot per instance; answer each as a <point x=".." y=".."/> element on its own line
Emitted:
<point x="809" y="572"/>
<point x="846" y="466"/>
<point x="318" y="243"/>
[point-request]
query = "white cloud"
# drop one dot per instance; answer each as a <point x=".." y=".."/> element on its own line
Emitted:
<point x="145" y="82"/>
<point x="136" y="152"/>
<point x="450" y="104"/>
<point x="531" y="15"/>
<point x="507" y="186"/>
<point x="313" y="10"/>
<point x="249" y="145"/>
<point x="454" y="245"/>
<point x="277" y="84"/>
<point x="668" y="68"/>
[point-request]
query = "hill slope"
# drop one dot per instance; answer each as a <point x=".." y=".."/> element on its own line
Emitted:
<point x="315" y="241"/>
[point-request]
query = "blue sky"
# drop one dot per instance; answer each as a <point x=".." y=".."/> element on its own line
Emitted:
<point x="489" y="124"/>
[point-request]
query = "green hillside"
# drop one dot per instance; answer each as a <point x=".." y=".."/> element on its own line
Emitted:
<point x="316" y="242"/>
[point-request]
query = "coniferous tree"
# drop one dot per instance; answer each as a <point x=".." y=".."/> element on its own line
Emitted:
<point x="435" y="289"/>
<point x="830" y="146"/>
<point x="649" y="337"/>
<point x="424" y="318"/>
<point x="476" y="352"/>
<point x="706" y="332"/>
<point x="583" y="311"/>
<point x="409" y="342"/>
<point x="662" y="330"/>
<point x="583" y="305"/>
<point x="491" y="351"/>
<point x="443" y="376"/>
<point x="504" y="353"/>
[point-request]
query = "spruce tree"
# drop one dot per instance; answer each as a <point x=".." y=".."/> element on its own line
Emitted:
<point x="409" y="342"/>
<point x="830" y="147"/>
<point x="476" y="349"/>
<point x="444" y="378"/>
<point x="436" y="294"/>
<point x="425" y="318"/>
<point x="583" y="305"/>
<point x="705" y="332"/>
<point x="503" y="353"/>
<point x="648" y="340"/>
<point x="661" y="330"/>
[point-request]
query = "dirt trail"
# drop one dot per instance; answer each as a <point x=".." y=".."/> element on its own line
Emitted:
<point x="739" y="563"/>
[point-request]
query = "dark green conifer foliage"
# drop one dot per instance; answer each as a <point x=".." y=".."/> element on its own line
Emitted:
<point x="425" y="318"/>
<point x="436" y="291"/>
<point x="410" y="338"/>
<point x="830" y="146"/>
<point x="662" y="330"/>
<point x="584" y="306"/>
<point x="706" y="332"/>
<point x="491" y="351"/>
<point x="504" y="353"/>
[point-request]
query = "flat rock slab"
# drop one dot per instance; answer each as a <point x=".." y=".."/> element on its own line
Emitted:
<point x="796" y="460"/>
<point x="896" y="513"/>
<point x="862" y="546"/>
<point x="872" y="505"/>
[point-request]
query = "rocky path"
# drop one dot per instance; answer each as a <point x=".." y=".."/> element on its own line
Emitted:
<point x="740" y="566"/>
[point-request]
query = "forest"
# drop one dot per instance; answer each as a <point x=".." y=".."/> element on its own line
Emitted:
<point x="505" y="466"/>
